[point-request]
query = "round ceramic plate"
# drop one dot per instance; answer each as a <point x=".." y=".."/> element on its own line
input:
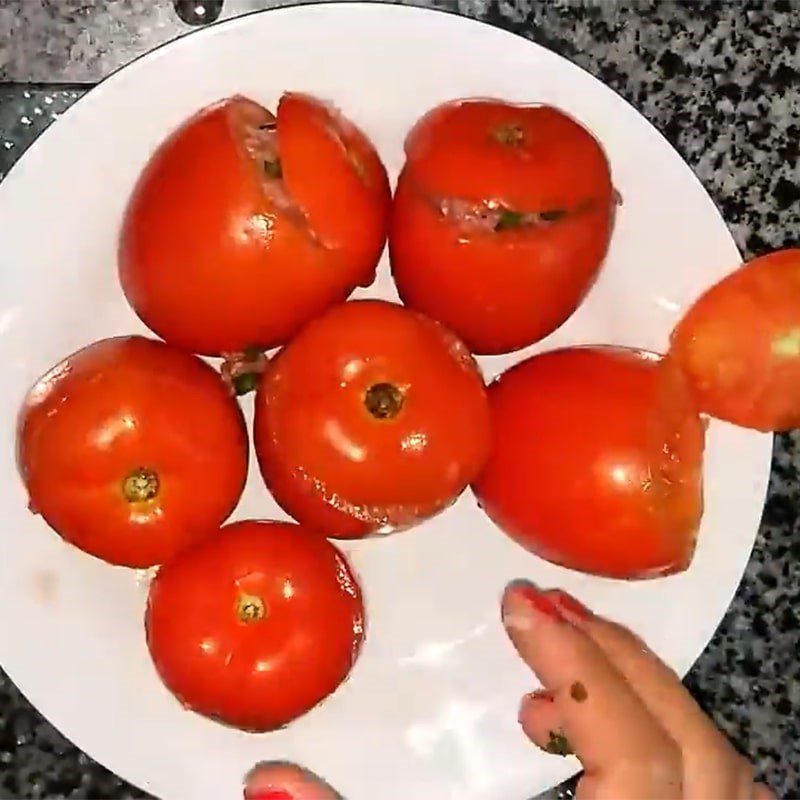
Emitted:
<point x="429" y="711"/>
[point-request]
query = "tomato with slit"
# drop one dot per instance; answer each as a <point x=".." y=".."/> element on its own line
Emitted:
<point x="372" y="419"/>
<point x="596" y="462"/>
<point x="244" y="225"/>
<point x="256" y="625"/>
<point x="739" y="345"/>
<point x="501" y="220"/>
<point x="132" y="450"/>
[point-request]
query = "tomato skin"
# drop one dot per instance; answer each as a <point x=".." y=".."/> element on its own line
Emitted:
<point x="337" y="468"/>
<point x="213" y="262"/>
<point x="500" y="289"/>
<point x="597" y="461"/>
<point x="106" y="412"/>
<point x="298" y="646"/>
<point x="739" y="345"/>
<point x="499" y="292"/>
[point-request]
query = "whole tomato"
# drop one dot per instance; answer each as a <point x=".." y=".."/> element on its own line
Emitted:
<point x="132" y="450"/>
<point x="256" y="625"/>
<point x="373" y="418"/>
<point x="243" y="225"/>
<point x="597" y="461"/>
<point x="501" y="220"/>
<point x="739" y="345"/>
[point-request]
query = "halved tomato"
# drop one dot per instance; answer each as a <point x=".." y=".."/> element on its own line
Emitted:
<point x="244" y="225"/>
<point x="739" y="345"/>
<point x="597" y="461"/>
<point x="501" y="220"/>
<point x="132" y="450"/>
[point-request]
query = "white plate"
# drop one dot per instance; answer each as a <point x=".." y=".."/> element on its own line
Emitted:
<point x="430" y="710"/>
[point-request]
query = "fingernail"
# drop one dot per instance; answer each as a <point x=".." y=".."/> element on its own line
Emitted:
<point x="537" y="599"/>
<point x="268" y="794"/>
<point x="566" y="602"/>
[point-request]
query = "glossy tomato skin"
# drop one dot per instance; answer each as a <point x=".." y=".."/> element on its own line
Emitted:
<point x="217" y="255"/>
<point x="597" y="461"/>
<point x="132" y="450"/>
<point x="256" y="625"/>
<point x="498" y="284"/>
<point x="332" y="463"/>
<point x="739" y="345"/>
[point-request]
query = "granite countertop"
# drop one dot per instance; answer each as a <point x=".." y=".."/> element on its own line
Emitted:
<point x="721" y="81"/>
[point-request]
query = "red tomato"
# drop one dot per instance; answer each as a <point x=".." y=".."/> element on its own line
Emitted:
<point x="373" y="418"/>
<point x="502" y="217"/>
<point x="243" y="225"/>
<point x="597" y="461"/>
<point x="132" y="450"/>
<point x="256" y="625"/>
<point x="739" y="345"/>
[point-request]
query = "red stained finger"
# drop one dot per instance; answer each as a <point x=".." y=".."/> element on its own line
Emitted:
<point x="607" y="725"/>
<point x="281" y="781"/>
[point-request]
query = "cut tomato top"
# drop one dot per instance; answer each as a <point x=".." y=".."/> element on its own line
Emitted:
<point x="526" y="158"/>
<point x="333" y="172"/>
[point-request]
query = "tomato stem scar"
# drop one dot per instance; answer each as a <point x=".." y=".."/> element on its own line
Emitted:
<point x="140" y="486"/>
<point x="250" y="608"/>
<point x="242" y="371"/>
<point x="509" y="133"/>
<point x="383" y="400"/>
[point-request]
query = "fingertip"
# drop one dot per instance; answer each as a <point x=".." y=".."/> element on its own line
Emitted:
<point x="524" y="603"/>
<point x="280" y="780"/>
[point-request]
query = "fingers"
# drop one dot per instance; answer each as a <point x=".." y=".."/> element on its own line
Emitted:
<point x="603" y="720"/>
<point x="282" y="781"/>
<point x="707" y="755"/>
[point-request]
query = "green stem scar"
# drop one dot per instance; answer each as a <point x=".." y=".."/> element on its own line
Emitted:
<point x="140" y="485"/>
<point x="787" y="345"/>
<point x="250" y="608"/>
<point x="383" y="400"/>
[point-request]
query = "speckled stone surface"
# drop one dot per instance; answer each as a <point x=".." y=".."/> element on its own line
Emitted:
<point x="722" y="81"/>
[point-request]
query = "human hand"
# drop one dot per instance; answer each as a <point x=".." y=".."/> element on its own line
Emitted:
<point x="636" y="730"/>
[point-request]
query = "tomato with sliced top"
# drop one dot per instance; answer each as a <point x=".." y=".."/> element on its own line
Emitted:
<point x="256" y="625"/>
<point x="501" y="220"/>
<point x="132" y="450"/>
<point x="371" y="419"/>
<point x="739" y="345"/>
<point x="596" y="462"/>
<point x="244" y="225"/>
